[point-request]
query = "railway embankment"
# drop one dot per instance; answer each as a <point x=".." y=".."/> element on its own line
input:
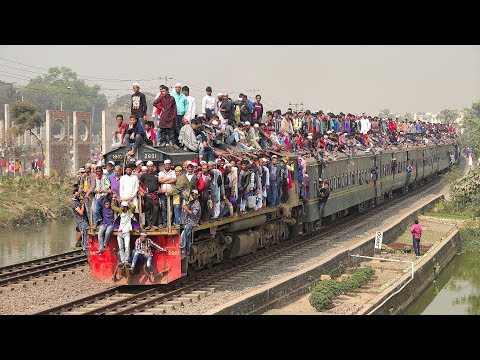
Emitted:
<point x="289" y="295"/>
<point x="31" y="199"/>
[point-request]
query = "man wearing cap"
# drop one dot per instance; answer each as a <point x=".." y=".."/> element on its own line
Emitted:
<point x="124" y="228"/>
<point x="143" y="251"/>
<point x="250" y="136"/>
<point x="167" y="117"/>
<point x="151" y="200"/>
<point x="208" y="104"/>
<point x="129" y="186"/>
<point x="87" y="188"/>
<point x="191" y="108"/>
<point x="181" y="102"/>
<point x="110" y="169"/>
<point x="80" y="174"/>
<point x="180" y="192"/>
<point x="139" y="105"/>
<point x="102" y="187"/>
<point x="167" y="179"/>
<point x="192" y="212"/>
<point x="115" y="181"/>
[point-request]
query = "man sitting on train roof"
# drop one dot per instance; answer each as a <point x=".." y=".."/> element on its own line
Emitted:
<point x="143" y="251"/>
<point x="136" y="134"/>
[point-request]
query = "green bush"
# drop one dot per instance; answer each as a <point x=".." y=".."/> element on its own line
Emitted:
<point x="323" y="293"/>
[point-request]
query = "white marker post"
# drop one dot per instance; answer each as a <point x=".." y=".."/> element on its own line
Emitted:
<point x="378" y="241"/>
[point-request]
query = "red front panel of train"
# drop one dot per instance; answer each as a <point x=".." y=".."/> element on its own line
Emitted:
<point x="166" y="265"/>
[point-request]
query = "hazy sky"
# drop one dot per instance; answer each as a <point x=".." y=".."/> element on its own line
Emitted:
<point x="353" y="79"/>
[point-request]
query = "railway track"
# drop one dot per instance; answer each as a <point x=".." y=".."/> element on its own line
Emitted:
<point x="31" y="269"/>
<point x="124" y="300"/>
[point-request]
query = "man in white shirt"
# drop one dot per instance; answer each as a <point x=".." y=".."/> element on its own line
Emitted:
<point x="129" y="186"/>
<point x="125" y="212"/>
<point x="364" y="124"/>
<point x="190" y="113"/>
<point x="208" y="104"/>
<point x="167" y="179"/>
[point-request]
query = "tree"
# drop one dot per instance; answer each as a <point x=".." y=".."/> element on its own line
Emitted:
<point x="448" y="116"/>
<point x="472" y="127"/>
<point x="385" y="113"/>
<point x="8" y="94"/>
<point x="25" y="117"/>
<point x="61" y="88"/>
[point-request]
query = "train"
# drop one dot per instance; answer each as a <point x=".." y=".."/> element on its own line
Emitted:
<point x="353" y="188"/>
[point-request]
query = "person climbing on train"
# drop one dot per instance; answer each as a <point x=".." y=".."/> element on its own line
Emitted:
<point x="193" y="212"/>
<point x="143" y="251"/>
<point x="324" y="193"/>
<point x="124" y="228"/>
<point x="106" y="227"/>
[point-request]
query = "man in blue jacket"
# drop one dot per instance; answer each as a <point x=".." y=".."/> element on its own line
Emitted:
<point x="136" y="134"/>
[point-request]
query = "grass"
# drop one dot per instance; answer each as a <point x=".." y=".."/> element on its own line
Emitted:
<point x="33" y="198"/>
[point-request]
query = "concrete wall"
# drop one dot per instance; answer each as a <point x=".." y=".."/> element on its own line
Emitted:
<point x="81" y="146"/>
<point x="424" y="275"/>
<point x="285" y="291"/>
<point x="57" y="149"/>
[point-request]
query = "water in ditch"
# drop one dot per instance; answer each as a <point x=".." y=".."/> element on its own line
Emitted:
<point x="456" y="290"/>
<point x="26" y="243"/>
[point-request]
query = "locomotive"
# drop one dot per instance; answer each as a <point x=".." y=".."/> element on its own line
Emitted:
<point x="353" y="187"/>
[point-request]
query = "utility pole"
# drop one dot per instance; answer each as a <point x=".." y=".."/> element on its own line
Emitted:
<point x="166" y="80"/>
<point x="296" y="105"/>
<point x="254" y="91"/>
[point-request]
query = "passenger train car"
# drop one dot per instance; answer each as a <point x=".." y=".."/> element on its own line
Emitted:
<point x="353" y="188"/>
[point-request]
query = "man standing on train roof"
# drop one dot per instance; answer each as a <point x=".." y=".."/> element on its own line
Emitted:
<point x="208" y="104"/>
<point x="181" y="102"/>
<point x="191" y="109"/>
<point x="167" y="116"/>
<point x="139" y="105"/>
<point x="143" y="251"/>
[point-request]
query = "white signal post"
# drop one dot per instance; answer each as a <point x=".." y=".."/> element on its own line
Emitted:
<point x="378" y="240"/>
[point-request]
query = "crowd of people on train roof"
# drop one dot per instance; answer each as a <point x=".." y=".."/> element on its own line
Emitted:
<point x="221" y="120"/>
<point x="213" y="184"/>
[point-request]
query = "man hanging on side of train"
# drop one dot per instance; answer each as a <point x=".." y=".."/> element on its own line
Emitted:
<point x="324" y="193"/>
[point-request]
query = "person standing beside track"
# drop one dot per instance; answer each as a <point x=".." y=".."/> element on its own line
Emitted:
<point x="416" y="231"/>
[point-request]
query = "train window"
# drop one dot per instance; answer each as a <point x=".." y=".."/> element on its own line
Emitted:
<point x="353" y="178"/>
<point x="339" y="184"/>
